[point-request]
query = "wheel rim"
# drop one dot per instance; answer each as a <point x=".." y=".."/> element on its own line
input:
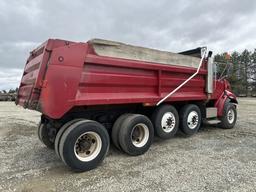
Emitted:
<point x="231" y="116"/>
<point x="87" y="146"/>
<point x="140" y="135"/>
<point x="192" y="120"/>
<point x="168" y="122"/>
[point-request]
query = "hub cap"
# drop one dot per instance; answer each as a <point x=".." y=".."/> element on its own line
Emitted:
<point x="140" y="135"/>
<point x="87" y="146"/>
<point x="168" y="122"/>
<point x="192" y="120"/>
<point x="231" y="116"/>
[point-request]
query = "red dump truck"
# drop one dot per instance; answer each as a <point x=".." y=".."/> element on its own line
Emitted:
<point x="100" y="91"/>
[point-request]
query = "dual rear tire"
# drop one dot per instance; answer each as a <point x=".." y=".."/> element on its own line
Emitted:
<point x="133" y="134"/>
<point x="82" y="144"/>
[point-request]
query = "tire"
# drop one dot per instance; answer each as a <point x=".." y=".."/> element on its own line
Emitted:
<point x="190" y="119"/>
<point x="228" y="120"/>
<point x="39" y="131"/>
<point x="131" y="143"/>
<point x="166" y="121"/>
<point x="95" y="138"/>
<point x="60" y="133"/>
<point x="115" y="130"/>
<point x="44" y="137"/>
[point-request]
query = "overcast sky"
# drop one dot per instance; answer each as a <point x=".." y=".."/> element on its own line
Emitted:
<point x="168" y="25"/>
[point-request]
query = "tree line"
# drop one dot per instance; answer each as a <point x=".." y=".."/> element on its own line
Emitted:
<point x="9" y="91"/>
<point x="240" y="68"/>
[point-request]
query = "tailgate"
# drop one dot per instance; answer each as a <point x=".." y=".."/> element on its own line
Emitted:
<point x="34" y="71"/>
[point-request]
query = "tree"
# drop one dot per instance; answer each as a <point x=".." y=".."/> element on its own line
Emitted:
<point x="245" y="61"/>
<point x="11" y="91"/>
<point x="242" y="75"/>
<point x="252" y="72"/>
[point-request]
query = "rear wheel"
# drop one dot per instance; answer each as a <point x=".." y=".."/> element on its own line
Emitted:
<point x="115" y="130"/>
<point x="228" y="120"/>
<point x="84" y="145"/>
<point x="60" y="133"/>
<point x="46" y="135"/>
<point x="136" y="134"/>
<point x="166" y="121"/>
<point x="190" y="119"/>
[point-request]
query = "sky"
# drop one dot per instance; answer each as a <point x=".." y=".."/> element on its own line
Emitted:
<point x="166" y="25"/>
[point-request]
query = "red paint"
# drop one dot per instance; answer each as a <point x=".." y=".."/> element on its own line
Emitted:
<point x="221" y="94"/>
<point x="61" y="74"/>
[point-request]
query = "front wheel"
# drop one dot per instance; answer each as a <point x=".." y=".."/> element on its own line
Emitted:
<point x="228" y="119"/>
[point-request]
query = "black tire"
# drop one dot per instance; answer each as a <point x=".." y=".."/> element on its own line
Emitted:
<point x="228" y="111"/>
<point x="60" y="133"/>
<point x="190" y="119"/>
<point x="171" y="115"/>
<point x="69" y="140"/>
<point x="127" y="139"/>
<point x="39" y="131"/>
<point x="43" y="135"/>
<point x="115" y="130"/>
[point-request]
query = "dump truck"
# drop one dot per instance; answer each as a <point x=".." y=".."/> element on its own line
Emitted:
<point x="94" y="93"/>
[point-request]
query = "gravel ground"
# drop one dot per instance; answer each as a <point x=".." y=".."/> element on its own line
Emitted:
<point x="212" y="160"/>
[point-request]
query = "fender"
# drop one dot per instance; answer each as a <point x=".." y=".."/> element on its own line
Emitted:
<point x="225" y="96"/>
<point x="231" y="96"/>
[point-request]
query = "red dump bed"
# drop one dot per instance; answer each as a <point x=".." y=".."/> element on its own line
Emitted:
<point x="60" y="75"/>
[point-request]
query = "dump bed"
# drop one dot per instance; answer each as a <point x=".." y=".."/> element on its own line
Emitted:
<point x="60" y="75"/>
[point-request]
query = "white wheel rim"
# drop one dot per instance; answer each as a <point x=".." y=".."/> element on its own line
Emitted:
<point x="140" y="135"/>
<point x="192" y="120"/>
<point x="87" y="146"/>
<point x="231" y="116"/>
<point x="168" y="122"/>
